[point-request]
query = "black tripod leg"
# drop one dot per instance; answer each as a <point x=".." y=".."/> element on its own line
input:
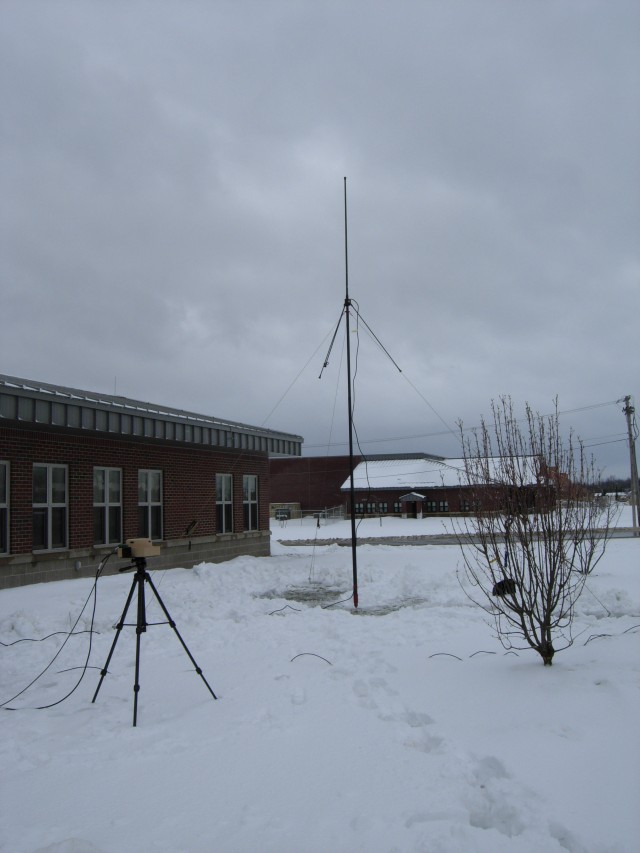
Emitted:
<point x="140" y="628"/>
<point x="105" y="668"/>
<point x="182" y="642"/>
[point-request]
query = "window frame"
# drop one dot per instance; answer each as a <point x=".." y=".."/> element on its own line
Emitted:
<point x="50" y="506"/>
<point x="5" y="504"/>
<point x="224" y="504"/>
<point x="147" y="529"/>
<point x="250" y="506"/>
<point x="106" y="505"/>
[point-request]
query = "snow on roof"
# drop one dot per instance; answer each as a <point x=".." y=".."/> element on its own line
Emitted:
<point x="416" y="474"/>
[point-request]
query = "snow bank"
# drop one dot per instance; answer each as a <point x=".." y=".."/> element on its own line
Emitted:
<point x="403" y="727"/>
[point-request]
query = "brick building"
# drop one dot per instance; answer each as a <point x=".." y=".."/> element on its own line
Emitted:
<point x="314" y="483"/>
<point x="429" y="485"/>
<point x="81" y="472"/>
<point x="404" y="484"/>
<point x="318" y="483"/>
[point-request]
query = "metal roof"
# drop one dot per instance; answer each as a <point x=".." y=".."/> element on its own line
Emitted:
<point x="416" y="474"/>
<point x="71" y="407"/>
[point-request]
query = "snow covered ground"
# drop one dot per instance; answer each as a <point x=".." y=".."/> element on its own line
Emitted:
<point x="403" y="727"/>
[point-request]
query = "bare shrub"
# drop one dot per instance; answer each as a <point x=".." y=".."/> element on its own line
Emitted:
<point x="535" y="533"/>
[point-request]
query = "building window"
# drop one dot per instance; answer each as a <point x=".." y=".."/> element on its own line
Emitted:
<point x="383" y="507"/>
<point x="26" y="409"/>
<point x="73" y="416"/>
<point x="358" y="508"/>
<point x="43" y="412"/>
<point x="444" y="506"/>
<point x="224" y="503"/>
<point x="4" y="507"/>
<point x="58" y="414"/>
<point x="371" y="507"/>
<point x="150" y="504"/>
<point x="107" y="506"/>
<point x="465" y="506"/>
<point x="250" y="501"/>
<point x="49" y="507"/>
<point x="397" y="506"/>
<point x="88" y="418"/>
<point x="431" y="506"/>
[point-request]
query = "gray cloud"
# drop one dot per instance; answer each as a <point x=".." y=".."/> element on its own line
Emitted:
<point x="171" y="215"/>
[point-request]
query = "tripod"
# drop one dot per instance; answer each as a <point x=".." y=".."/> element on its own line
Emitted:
<point x="141" y="576"/>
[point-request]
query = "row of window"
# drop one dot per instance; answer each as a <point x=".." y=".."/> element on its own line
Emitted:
<point x="382" y="507"/>
<point x="436" y="506"/>
<point x="50" y="505"/>
<point x="373" y="508"/>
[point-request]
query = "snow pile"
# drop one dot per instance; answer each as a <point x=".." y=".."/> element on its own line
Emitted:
<point x="402" y="727"/>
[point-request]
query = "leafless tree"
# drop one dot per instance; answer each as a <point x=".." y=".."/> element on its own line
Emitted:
<point x="535" y="532"/>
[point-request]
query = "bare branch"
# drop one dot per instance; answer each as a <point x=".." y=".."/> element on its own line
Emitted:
<point x="535" y="532"/>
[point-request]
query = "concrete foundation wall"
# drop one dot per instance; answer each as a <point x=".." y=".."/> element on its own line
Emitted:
<point x="24" y="569"/>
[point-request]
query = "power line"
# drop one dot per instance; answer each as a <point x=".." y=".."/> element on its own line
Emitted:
<point x="463" y="429"/>
<point x="602" y="443"/>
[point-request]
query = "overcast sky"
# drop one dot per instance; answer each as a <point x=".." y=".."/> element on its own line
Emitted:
<point x="172" y="212"/>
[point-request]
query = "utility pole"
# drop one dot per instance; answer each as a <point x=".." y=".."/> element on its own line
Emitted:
<point x="629" y="411"/>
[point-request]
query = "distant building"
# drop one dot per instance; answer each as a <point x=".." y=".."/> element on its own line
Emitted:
<point x="81" y="472"/>
<point x="429" y="485"/>
<point x="313" y="483"/>
<point x="405" y="484"/>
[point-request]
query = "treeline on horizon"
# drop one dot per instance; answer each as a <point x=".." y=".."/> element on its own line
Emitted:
<point x="612" y="485"/>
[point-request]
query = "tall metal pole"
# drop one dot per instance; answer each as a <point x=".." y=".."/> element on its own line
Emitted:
<point x="347" y="311"/>
<point x="629" y="410"/>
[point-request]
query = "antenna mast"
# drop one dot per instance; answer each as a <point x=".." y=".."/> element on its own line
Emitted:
<point x="352" y="500"/>
<point x="346" y="310"/>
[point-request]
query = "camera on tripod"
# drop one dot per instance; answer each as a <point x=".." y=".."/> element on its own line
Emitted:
<point x="136" y="549"/>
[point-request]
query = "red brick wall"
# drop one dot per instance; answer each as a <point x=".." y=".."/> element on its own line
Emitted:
<point x="313" y="482"/>
<point x="188" y="480"/>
